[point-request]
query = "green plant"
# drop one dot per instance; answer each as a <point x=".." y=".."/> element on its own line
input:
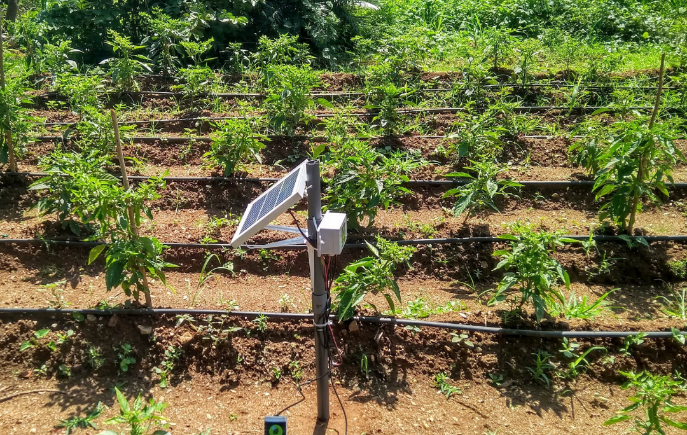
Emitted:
<point x="370" y="274"/>
<point x="56" y="290"/>
<point x="653" y="395"/>
<point x="365" y="180"/>
<point x="130" y="261"/>
<point x="579" y="360"/>
<point x="94" y="357"/>
<point x="364" y="365"/>
<point x="55" y="59"/>
<point x="288" y="88"/>
<point x="125" y="357"/>
<point x="534" y="271"/>
<point x="499" y="44"/>
<point x="195" y="50"/>
<point x="386" y="99"/>
<point x="17" y="120"/>
<point x="632" y="340"/>
<point x="33" y="341"/>
<point x="474" y="135"/>
<point x="541" y="367"/>
<point x="496" y="378"/>
<point x="579" y="308"/>
<point x="141" y="417"/>
<point x="166" y="33"/>
<point x="284" y="302"/>
<point x="461" y="339"/>
<point x="81" y="90"/>
<point x="172" y="356"/>
<point x="527" y="51"/>
<point x="126" y="65"/>
<point x="234" y="143"/>
<point x="638" y="162"/>
<point x="194" y="82"/>
<point x="674" y="305"/>
<point x="73" y="423"/>
<point x="261" y="323"/>
<point x="482" y="189"/>
<point x="276" y="372"/>
<point x="441" y="381"/>
<point x="296" y="371"/>
<point x="207" y="274"/>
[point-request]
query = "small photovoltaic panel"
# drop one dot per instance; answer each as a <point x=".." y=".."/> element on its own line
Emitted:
<point x="273" y="202"/>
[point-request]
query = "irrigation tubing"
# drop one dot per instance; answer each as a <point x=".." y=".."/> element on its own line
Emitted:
<point x="367" y="114"/>
<point x="411" y="183"/>
<point x="362" y="319"/>
<point x="360" y="94"/>
<point x="414" y="242"/>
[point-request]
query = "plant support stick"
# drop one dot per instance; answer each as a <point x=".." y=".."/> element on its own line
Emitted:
<point x="8" y="132"/>
<point x="130" y="210"/>
<point x="643" y="159"/>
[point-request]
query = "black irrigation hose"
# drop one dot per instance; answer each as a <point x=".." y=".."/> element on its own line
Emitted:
<point x="456" y="182"/>
<point x="362" y="319"/>
<point x="361" y="115"/>
<point x="415" y="242"/>
<point x="360" y="94"/>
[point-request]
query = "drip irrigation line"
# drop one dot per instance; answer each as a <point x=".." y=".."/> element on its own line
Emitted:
<point x="415" y="242"/>
<point x="362" y="115"/>
<point x="453" y="182"/>
<point x="324" y="94"/>
<point x="362" y="319"/>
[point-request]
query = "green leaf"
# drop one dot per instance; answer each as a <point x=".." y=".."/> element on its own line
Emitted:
<point x="114" y="275"/>
<point x="123" y="403"/>
<point x="616" y="419"/>
<point x="318" y="150"/>
<point x="678" y="335"/>
<point x="78" y="316"/>
<point x="669" y="422"/>
<point x="25" y="345"/>
<point x="41" y="333"/>
<point x="390" y="302"/>
<point x="95" y="252"/>
<point x="324" y="103"/>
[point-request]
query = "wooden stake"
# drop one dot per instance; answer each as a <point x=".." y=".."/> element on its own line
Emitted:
<point x="130" y="209"/>
<point x="643" y="160"/>
<point x="8" y="132"/>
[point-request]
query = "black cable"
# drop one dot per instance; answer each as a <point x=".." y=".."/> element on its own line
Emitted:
<point x="301" y="231"/>
<point x="331" y="380"/>
<point x="298" y="387"/>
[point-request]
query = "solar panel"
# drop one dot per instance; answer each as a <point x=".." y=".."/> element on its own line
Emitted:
<point x="273" y="202"/>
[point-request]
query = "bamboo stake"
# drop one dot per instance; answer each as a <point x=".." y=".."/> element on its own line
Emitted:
<point x="8" y="132"/>
<point x="130" y="209"/>
<point x="643" y="160"/>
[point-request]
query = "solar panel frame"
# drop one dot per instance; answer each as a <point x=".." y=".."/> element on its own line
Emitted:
<point x="271" y="203"/>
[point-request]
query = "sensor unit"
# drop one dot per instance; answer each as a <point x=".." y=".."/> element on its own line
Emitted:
<point x="275" y="425"/>
<point x="331" y="234"/>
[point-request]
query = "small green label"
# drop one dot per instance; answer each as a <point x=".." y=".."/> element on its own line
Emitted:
<point x="276" y="430"/>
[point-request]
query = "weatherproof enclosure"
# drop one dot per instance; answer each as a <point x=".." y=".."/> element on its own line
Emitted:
<point x="331" y="234"/>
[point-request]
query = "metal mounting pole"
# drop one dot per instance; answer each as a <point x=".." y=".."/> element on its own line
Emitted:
<point x="320" y="300"/>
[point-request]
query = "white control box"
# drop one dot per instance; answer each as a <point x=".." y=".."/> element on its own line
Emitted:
<point x="331" y="234"/>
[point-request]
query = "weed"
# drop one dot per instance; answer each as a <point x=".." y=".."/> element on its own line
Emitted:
<point x="496" y="378"/>
<point x="172" y="356"/>
<point x="73" y="423"/>
<point x="579" y="308"/>
<point x="284" y="302"/>
<point x="296" y="371"/>
<point x="632" y="340"/>
<point x="441" y="381"/>
<point x="33" y="341"/>
<point x="673" y="305"/>
<point x="461" y="339"/>
<point x="365" y="365"/>
<point x="125" y="357"/>
<point x="261" y="323"/>
<point x="94" y="357"/>
<point x="541" y="367"/>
